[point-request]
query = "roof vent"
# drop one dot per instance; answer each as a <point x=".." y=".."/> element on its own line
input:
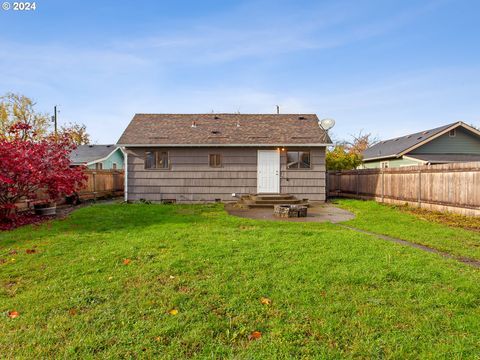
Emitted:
<point x="301" y="118"/>
<point x="216" y="117"/>
<point x="215" y="132"/>
<point x="90" y="146"/>
<point x="194" y="124"/>
<point x="420" y="137"/>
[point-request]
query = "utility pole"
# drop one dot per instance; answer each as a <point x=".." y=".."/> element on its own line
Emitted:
<point x="55" y="118"/>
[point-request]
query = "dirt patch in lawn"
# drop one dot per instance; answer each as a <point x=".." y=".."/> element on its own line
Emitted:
<point x="454" y="220"/>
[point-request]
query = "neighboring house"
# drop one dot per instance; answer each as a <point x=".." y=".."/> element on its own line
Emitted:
<point x="213" y="157"/>
<point x="457" y="142"/>
<point x="99" y="157"/>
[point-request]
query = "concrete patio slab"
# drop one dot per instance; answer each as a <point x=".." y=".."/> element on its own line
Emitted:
<point x="316" y="213"/>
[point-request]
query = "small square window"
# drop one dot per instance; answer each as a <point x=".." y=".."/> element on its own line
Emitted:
<point x="98" y="166"/>
<point x="384" y="164"/>
<point x="452" y="133"/>
<point x="215" y="160"/>
<point x="298" y="160"/>
<point x="114" y="166"/>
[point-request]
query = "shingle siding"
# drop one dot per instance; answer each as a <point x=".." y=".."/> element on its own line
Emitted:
<point x="190" y="179"/>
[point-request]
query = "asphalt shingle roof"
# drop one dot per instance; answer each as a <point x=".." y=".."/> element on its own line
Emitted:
<point x="223" y="129"/>
<point x="395" y="146"/>
<point x="87" y="153"/>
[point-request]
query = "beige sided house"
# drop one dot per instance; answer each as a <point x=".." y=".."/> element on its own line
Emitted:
<point x="190" y="158"/>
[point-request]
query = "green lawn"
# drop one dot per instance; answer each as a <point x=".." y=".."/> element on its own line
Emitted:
<point x="387" y="220"/>
<point x="335" y="293"/>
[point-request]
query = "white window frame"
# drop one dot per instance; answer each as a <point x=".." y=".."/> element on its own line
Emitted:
<point x="385" y="164"/>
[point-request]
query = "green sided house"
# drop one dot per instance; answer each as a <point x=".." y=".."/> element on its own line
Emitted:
<point x="98" y="157"/>
<point x="192" y="158"/>
<point x="457" y="142"/>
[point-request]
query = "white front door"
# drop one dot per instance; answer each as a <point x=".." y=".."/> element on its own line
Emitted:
<point x="268" y="171"/>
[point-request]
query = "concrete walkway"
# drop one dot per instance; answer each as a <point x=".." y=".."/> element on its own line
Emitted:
<point x="316" y="213"/>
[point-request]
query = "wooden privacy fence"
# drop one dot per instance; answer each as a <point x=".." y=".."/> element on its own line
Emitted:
<point x="450" y="187"/>
<point x="102" y="183"/>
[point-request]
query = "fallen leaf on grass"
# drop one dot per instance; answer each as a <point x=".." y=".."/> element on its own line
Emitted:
<point x="72" y="311"/>
<point x="265" y="301"/>
<point x="172" y="277"/>
<point x="30" y="251"/>
<point x="13" y="314"/>
<point x="173" y="312"/>
<point x="126" y="261"/>
<point x="13" y="252"/>
<point x="255" y="335"/>
<point x="184" y="289"/>
<point x="3" y="261"/>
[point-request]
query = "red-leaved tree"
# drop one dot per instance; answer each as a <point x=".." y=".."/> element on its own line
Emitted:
<point x="28" y="166"/>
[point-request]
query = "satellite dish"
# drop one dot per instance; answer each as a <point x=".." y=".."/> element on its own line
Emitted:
<point x="326" y="124"/>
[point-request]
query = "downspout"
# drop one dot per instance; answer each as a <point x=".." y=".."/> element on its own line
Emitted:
<point x="125" y="181"/>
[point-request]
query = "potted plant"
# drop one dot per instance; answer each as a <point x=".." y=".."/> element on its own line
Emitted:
<point x="45" y="208"/>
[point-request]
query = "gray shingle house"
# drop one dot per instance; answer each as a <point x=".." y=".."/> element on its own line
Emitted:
<point x="210" y="157"/>
<point x="457" y="142"/>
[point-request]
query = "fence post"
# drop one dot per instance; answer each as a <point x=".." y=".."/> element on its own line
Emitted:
<point x="357" y="182"/>
<point x="383" y="184"/>
<point x="94" y="174"/>
<point x="419" y="188"/>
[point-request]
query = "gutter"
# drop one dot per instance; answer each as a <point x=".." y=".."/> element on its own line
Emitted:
<point x="224" y="145"/>
<point x="381" y="157"/>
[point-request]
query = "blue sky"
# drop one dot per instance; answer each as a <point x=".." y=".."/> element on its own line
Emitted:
<point x="387" y="67"/>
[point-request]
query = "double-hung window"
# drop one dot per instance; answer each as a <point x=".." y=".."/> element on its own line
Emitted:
<point x="157" y="160"/>
<point x="215" y="160"/>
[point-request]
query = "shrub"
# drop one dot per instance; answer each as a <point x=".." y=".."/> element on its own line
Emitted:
<point x="28" y="166"/>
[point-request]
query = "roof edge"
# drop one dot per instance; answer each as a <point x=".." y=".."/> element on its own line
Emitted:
<point x="380" y="157"/>
<point x="253" y="114"/>
<point x="224" y="145"/>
